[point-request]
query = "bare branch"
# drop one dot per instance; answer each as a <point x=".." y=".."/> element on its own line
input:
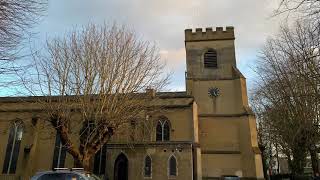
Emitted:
<point x="94" y="80"/>
<point x="287" y="97"/>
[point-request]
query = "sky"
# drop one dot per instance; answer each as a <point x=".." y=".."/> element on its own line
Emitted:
<point x="163" y="22"/>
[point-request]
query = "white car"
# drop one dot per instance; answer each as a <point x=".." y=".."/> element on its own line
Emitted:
<point x="64" y="174"/>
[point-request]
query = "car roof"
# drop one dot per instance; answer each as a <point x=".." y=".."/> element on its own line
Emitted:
<point x="77" y="172"/>
<point x="60" y="171"/>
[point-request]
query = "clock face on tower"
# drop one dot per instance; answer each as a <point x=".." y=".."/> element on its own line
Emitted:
<point x="213" y="92"/>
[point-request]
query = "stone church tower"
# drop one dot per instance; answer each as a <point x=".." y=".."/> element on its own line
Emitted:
<point x="227" y="127"/>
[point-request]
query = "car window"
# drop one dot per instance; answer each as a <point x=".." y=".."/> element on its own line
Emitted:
<point x="61" y="176"/>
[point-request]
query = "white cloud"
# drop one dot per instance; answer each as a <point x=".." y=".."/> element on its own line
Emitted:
<point x="164" y="21"/>
<point x="174" y="58"/>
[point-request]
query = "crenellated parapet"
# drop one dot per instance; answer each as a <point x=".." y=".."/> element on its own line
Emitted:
<point x="209" y="34"/>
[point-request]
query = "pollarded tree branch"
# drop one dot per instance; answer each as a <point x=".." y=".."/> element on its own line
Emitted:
<point x="94" y="80"/>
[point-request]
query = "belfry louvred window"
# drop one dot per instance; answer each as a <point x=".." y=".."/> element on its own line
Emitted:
<point x="210" y="59"/>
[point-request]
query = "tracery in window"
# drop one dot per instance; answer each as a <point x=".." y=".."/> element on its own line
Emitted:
<point x="86" y="130"/>
<point x="163" y="130"/>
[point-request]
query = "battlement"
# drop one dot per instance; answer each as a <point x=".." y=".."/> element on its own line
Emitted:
<point x="209" y="34"/>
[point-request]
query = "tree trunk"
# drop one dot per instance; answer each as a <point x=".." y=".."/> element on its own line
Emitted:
<point x="277" y="157"/>
<point x="314" y="160"/>
<point x="83" y="163"/>
<point x="298" y="162"/>
<point x="264" y="161"/>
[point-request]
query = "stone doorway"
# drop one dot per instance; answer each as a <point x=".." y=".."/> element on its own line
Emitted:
<point x="121" y="167"/>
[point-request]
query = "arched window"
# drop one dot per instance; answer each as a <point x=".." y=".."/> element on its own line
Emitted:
<point x="147" y="166"/>
<point x="100" y="160"/>
<point x="13" y="148"/>
<point x="59" y="154"/>
<point x="210" y="59"/>
<point x="163" y="130"/>
<point x="172" y="166"/>
<point x="87" y="128"/>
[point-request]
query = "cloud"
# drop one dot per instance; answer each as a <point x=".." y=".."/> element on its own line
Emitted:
<point x="174" y="58"/>
<point x="164" y="21"/>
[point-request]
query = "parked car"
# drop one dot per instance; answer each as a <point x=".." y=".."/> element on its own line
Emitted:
<point x="65" y="174"/>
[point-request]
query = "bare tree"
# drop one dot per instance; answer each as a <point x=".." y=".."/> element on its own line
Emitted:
<point x="15" y="18"/>
<point x="268" y="141"/>
<point x="280" y="127"/>
<point x="309" y="8"/>
<point x="92" y="82"/>
<point x="288" y="91"/>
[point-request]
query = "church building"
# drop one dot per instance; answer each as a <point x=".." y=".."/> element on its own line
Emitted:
<point x="205" y="132"/>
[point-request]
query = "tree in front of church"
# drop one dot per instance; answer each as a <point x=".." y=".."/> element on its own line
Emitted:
<point x="92" y="82"/>
<point x="287" y="94"/>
